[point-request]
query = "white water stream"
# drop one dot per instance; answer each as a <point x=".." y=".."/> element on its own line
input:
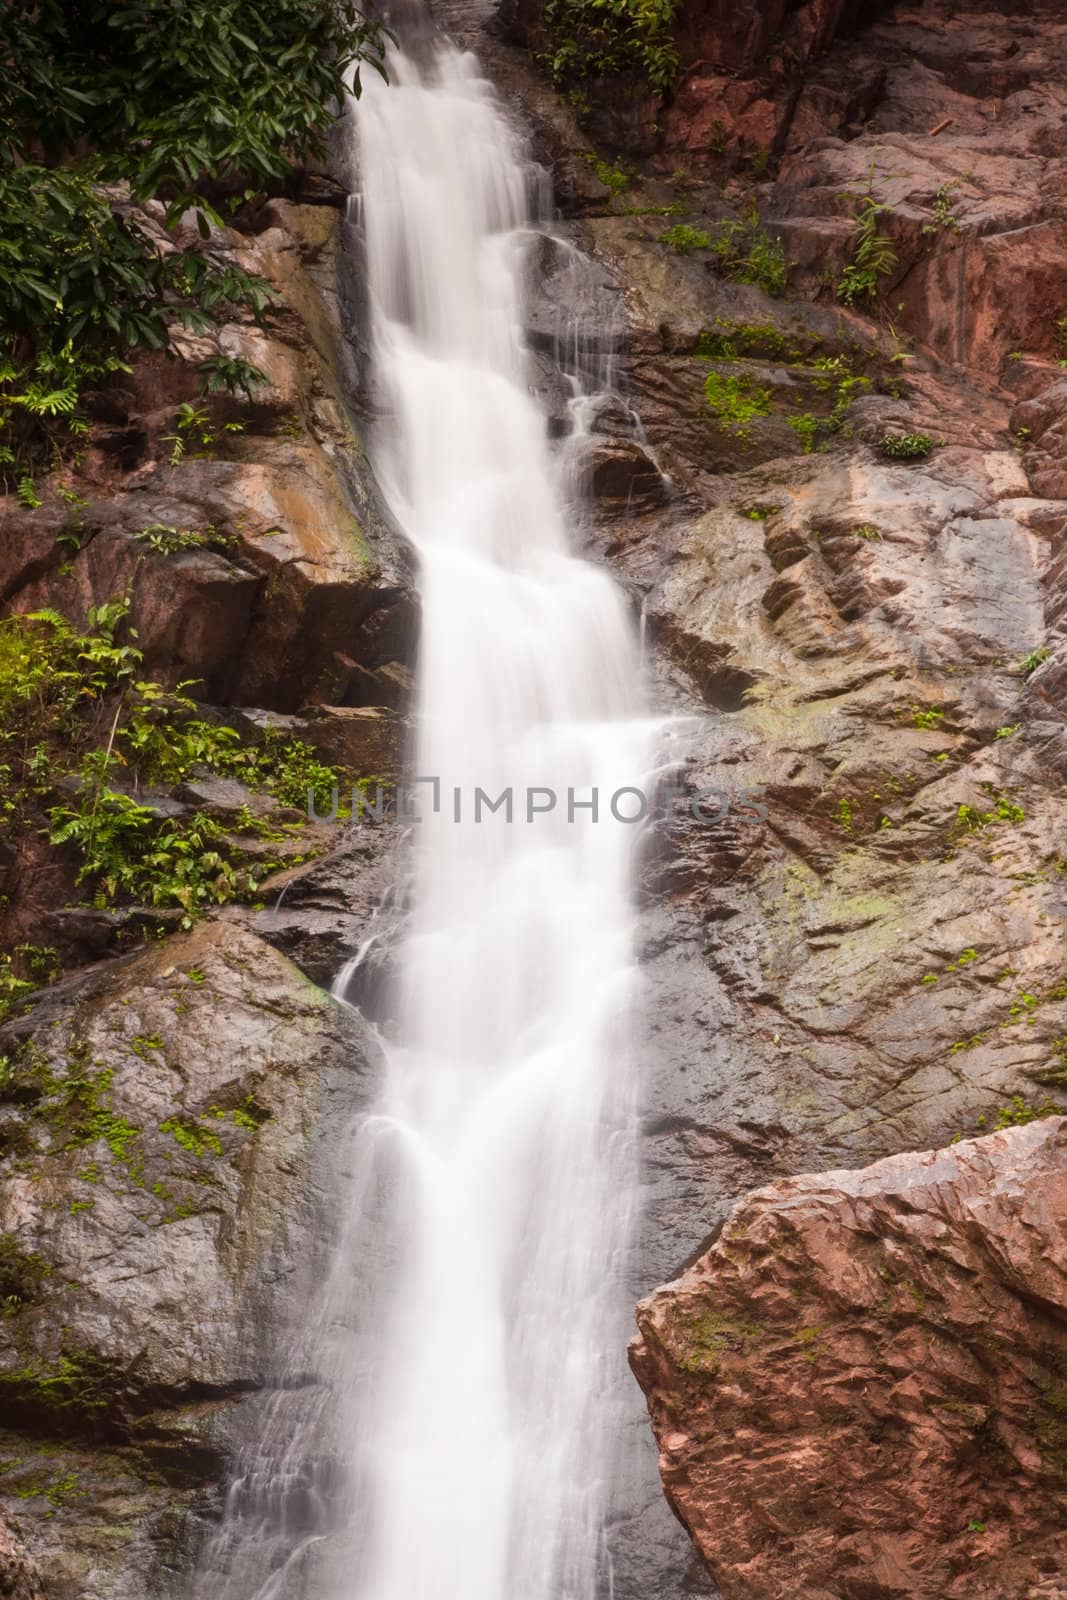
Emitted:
<point x="510" y="1091"/>
<point x="476" y="1378"/>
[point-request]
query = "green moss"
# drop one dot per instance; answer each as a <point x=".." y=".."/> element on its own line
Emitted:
<point x="733" y="340"/>
<point x="73" y="1382"/>
<point x="73" y="1103"/>
<point x="58" y="1491"/>
<point x="187" y="1132"/>
<point x="247" y="1114"/>
<point x="23" y="1274"/>
<point x="735" y="400"/>
<point x="703" y="1341"/>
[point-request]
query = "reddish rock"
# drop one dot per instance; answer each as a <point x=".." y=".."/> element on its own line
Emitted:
<point x="19" y="1578"/>
<point x="860" y="1390"/>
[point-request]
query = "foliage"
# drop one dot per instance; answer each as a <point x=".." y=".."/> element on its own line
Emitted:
<point x="873" y="255"/>
<point x="833" y="375"/>
<point x="971" y="819"/>
<point x="682" y="238"/>
<point x="165" y="540"/>
<point x="730" y="340"/>
<point x="170" y="95"/>
<point x="944" y="209"/>
<point x="614" y="179"/>
<point x="748" y="254"/>
<point x="75" y="704"/>
<point x="807" y="427"/>
<point x="194" y="433"/>
<point x="596" y="38"/>
<point x="906" y="446"/>
<point x="1035" y="659"/>
<point x="143" y="99"/>
<point x="1018" y="1114"/>
<point x="734" y="400"/>
<point x="928" y="719"/>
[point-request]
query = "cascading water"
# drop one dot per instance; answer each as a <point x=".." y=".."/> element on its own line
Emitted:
<point x="470" y="1347"/>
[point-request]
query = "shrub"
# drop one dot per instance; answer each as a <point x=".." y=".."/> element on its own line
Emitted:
<point x="906" y="446"/>
<point x="188" y="103"/>
<point x="73" y="703"/>
<point x="682" y="238"/>
<point x="608" y="37"/>
<point x="1035" y="659"/>
<point x="748" y="254"/>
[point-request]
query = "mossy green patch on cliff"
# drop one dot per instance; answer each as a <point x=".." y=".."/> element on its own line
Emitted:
<point x="72" y="1381"/>
<point x="192" y="1137"/>
<point x="698" y="1345"/>
<point x="71" y="1101"/>
<point x="23" y="1275"/>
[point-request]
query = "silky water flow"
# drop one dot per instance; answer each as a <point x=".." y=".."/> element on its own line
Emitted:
<point x="464" y="1433"/>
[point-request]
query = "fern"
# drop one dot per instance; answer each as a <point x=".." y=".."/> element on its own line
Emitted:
<point x="873" y="255"/>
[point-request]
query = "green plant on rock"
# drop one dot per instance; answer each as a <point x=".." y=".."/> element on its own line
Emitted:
<point x="614" y="179"/>
<point x="590" y="39"/>
<point x="906" y="446"/>
<point x="682" y="238"/>
<point x="195" y="434"/>
<point x="1018" y="1114"/>
<point x="943" y="205"/>
<point x="194" y="1139"/>
<point x="73" y="704"/>
<point x="747" y="253"/>
<point x="166" y="540"/>
<point x="732" y="340"/>
<point x="1029" y="664"/>
<point x="102" y="107"/>
<point x="735" y="400"/>
<point x="873" y="254"/>
<point x="807" y="427"/>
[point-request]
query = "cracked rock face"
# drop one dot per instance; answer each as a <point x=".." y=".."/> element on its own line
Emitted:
<point x="859" y="1391"/>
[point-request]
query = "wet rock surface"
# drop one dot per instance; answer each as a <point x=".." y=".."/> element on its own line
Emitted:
<point x="856" y="950"/>
<point x="870" y="960"/>
<point x="858" y="1390"/>
<point x="160" y="1210"/>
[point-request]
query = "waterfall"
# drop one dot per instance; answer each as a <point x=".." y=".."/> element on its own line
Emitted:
<point x="471" y="1416"/>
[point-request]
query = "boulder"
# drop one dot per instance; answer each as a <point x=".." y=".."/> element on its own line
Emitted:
<point x="858" y="1390"/>
<point x="161" y="1207"/>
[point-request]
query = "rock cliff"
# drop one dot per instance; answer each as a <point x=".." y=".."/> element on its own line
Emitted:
<point x="842" y="521"/>
<point x="855" y="585"/>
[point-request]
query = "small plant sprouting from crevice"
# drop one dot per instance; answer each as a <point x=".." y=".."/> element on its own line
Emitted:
<point x="1029" y="664"/>
<point x="944" y="207"/>
<point x="747" y="253"/>
<point x="906" y="446"/>
<point x="874" y="256"/>
<point x="682" y="239"/>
